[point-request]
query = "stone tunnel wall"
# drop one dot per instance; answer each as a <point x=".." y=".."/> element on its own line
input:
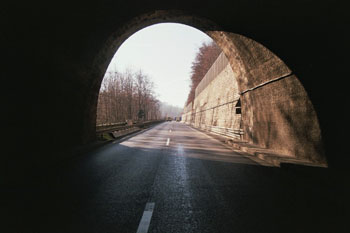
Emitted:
<point x="277" y="113"/>
<point x="214" y="107"/>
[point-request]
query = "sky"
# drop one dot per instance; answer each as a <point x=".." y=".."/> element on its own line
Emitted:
<point x="165" y="53"/>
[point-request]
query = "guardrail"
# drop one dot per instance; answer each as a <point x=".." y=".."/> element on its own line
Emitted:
<point x="228" y="132"/>
<point x="233" y="133"/>
<point x="109" y="126"/>
<point x="122" y="126"/>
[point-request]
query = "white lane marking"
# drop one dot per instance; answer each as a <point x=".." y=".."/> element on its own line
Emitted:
<point x="146" y="218"/>
<point x="170" y="130"/>
<point x="168" y="141"/>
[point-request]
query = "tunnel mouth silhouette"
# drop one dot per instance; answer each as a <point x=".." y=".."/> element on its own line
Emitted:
<point x="279" y="122"/>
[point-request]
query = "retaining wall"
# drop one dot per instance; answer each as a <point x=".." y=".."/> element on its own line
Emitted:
<point x="214" y="107"/>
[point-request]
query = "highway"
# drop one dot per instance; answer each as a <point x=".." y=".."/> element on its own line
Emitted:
<point x="174" y="179"/>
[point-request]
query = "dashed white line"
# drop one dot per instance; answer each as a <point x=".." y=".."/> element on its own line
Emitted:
<point x="146" y="218"/>
<point x="168" y="141"/>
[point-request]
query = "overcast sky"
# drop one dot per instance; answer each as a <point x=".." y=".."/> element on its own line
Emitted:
<point x="165" y="53"/>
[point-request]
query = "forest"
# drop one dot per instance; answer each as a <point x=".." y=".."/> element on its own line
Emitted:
<point x="127" y="96"/>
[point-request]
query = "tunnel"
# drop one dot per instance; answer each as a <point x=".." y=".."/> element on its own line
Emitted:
<point x="61" y="62"/>
<point x="289" y="57"/>
<point x="64" y="59"/>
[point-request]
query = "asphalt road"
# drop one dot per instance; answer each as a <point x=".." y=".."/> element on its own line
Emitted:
<point x="193" y="183"/>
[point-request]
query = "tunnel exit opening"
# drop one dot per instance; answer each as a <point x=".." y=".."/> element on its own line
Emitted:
<point x="278" y="122"/>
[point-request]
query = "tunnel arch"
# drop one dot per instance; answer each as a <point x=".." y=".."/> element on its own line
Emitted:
<point x="273" y="99"/>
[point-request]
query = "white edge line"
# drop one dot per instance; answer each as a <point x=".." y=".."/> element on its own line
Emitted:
<point x="146" y="218"/>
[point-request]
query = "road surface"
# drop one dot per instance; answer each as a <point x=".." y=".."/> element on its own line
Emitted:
<point x="174" y="179"/>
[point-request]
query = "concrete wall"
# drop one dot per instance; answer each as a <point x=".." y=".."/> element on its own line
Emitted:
<point x="187" y="114"/>
<point x="214" y="105"/>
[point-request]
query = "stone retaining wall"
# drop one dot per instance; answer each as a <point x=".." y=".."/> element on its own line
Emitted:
<point x="216" y="98"/>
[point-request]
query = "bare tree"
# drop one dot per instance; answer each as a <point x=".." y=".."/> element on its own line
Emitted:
<point x="127" y="96"/>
